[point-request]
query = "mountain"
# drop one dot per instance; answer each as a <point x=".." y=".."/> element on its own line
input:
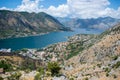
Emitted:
<point x="89" y="57"/>
<point x="15" y="24"/>
<point x="102" y="23"/>
<point x="101" y="61"/>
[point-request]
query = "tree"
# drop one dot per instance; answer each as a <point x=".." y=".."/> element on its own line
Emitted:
<point x="54" y="68"/>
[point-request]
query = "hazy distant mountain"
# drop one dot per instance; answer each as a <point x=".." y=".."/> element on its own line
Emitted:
<point x="93" y="23"/>
<point x="15" y="24"/>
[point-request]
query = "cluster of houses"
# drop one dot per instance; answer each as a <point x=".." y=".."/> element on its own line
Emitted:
<point x="5" y="50"/>
<point x="41" y="55"/>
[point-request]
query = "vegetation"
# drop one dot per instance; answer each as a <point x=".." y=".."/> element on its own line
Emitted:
<point x="38" y="76"/>
<point x="5" y="65"/>
<point x="48" y="73"/>
<point x="54" y="68"/>
<point x="107" y="70"/>
<point x="75" y="49"/>
<point x="24" y="50"/>
<point x="116" y="65"/>
<point x="74" y="53"/>
<point x="71" y="78"/>
<point x="41" y="70"/>
<point x="15" y="76"/>
<point x="1" y="78"/>
<point x="107" y="74"/>
<point x="115" y="57"/>
<point x="28" y="65"/>
<point x="103" y="34"/>
<point x="86" y="78"/>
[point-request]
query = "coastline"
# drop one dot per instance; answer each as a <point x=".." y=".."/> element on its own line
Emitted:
<point x="25" y="36"/>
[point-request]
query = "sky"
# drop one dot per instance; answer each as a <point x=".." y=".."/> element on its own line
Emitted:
<point x="66" y="8"/>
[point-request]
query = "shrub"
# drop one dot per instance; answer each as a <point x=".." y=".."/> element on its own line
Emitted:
<point x="1" y="78"/>
<point x="27" y="70"/>
<point x="41" y="70"/>
<point x="107" y="74"/>
<point x="15" y="76"/>
<point x="114" y="76"/>
<point x="48" y="73"/>
<point x="115" y="57"/>
<point x="54" y="68"/>
<point x="86" y="78"/>
<point x="71" y="78"/>
<point x="5" y="65"/>
<point x="116" y="65"/>
<point x="38" y="76"/>
<point x="107" y="70"/>
<point x="99" y="65"/>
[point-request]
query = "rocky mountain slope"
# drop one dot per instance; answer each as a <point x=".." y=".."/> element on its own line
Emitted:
<point x="99" y="62"/>
<point x="101" y="23"/>
<point x="15" y="24"/>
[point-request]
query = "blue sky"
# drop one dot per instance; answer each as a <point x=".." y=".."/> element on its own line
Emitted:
<point x="66" y="8"/>
<point x="114" y="4"/>
<point x="15" y="3"/>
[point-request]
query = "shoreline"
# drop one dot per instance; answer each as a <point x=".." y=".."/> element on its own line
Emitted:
<point x="31" y="35"/>
<point x="25" y="36"/>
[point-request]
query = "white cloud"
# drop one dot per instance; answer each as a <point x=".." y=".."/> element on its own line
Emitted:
<point x="113" y="13"/>
<point x="4" y="8"/>
<point x="73" y="8"/>
<point x="84" y="9"/>
<point x="28" y="5"/>
<point x="61" y="10"/>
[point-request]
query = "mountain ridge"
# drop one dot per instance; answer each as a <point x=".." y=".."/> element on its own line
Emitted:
<point x="15" y="24"/>
<point x="101" y="23"/>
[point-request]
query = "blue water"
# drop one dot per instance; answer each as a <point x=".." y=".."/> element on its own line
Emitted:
<point x="42" y="40"/>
